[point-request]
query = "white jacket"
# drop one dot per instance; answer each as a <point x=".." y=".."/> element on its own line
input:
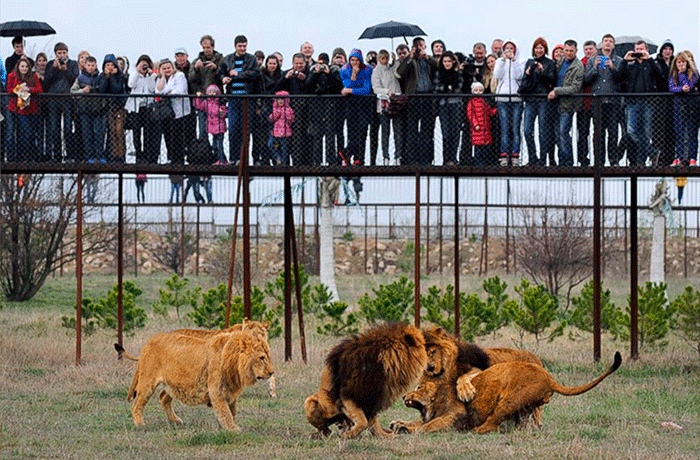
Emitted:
<point x="177" y="84"/>
<point x="509" y="74"/>
<point x="140" y="84"/>
<point x="384" y="81"/>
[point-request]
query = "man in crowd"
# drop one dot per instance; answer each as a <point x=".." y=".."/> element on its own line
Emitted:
<point x="605" y="74"/>
<point x="182" y="64"/>
<point x="18" y="46"/>
<point x="583" y="116"/>
<point x="239" y="72"/>
<point x="202" y="74"/>
<point x="643" y="74"/>
<point x="60" y="76"/>
<point x="307" y="49"/>
<point x="569" y="81"/>
<point x="497" y="47"/>
<point x="417" y="73"/>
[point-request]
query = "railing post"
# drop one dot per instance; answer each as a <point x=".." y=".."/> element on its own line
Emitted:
<point x="79" y="270"/>
<point x="456" y="262"/>
<point x="634" y="269"/>
<point x="416" y="257"/>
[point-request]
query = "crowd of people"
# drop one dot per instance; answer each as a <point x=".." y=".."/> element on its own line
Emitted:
<point x="325" y="106"/>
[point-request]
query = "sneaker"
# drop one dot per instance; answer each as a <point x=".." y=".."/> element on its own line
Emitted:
<point x="515" y="160"/>
<point x="676" y="162"/>
<point x="693" y="163"/>
<point x="503" y="159"/>
<point x="356" y="163"/>
<point x="386" y="162"/>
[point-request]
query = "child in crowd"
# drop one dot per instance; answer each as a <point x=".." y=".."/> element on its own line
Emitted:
<point x="92" y="111"/>
<point x="141" y="180"/>
<point x="217" y="114"/>
<point x="479" y="114"/>
<point x="282" y="117"/>
<point x="683" y="79"/>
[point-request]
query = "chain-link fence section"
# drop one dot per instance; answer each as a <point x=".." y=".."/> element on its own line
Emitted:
<point x="534" y="131"/>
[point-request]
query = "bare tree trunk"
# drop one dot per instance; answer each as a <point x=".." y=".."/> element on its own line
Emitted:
<point x="328" y="191"/>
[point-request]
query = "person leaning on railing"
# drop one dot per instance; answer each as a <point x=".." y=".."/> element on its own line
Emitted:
<point x="662" y="126"/>
<point x="683" y="81"/>
<point x="509" y="72"/>
<point x="91" y="112"/>
<point x="142" y="82"/>
<point x="23" y="112"/>
<point x="113" y="82"/>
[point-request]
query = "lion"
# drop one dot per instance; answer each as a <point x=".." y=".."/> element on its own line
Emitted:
<point x="505" y="391"/>
<point x="364" y="375"/>
<point x="257" y="328"/>
<point x="199" y="370"/>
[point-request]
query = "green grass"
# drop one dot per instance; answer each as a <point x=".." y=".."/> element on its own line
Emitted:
<point x="49" y="408"/>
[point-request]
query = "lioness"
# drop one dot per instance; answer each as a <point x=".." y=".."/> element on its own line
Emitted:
<point x="196" y="370"/>
<point x="363" y="376"/>
<point x="256" y="328"/>
<point x="506" y="391"/>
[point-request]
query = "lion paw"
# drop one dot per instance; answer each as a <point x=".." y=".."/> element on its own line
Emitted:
<point x="399" y="427"/>
<point x="465" y="390"/>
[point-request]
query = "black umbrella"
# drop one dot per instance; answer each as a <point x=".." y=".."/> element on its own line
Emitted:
<point x="625" y="43"/>
<point x="25" y="28"/>
<point x="392" y="29"/>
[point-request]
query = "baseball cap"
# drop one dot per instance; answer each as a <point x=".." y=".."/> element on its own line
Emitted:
<point x="180" y="51"/>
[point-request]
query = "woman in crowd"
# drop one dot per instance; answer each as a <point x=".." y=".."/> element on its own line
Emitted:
<point x="662" y="128"/>
<point x="509" y="72"/>
<point x="540" y="77"/>
<point x="384" y="85"/>
<point x="172" y="82"/>
<point x="143" y="82"/>
<point x="270" y="77"/>
<point x="683" y="80"/>
<point x="448" y="80"/>
<point x="357" y="81"/>
<point x="23" y="110"/>
<point x="42" y="122"/>
<point x="490" y="86"/>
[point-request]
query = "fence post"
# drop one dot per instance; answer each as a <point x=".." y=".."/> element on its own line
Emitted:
<point x="288" y="234"/>
<point x="634" y="266"/>
<point x="456" y="262"/>
<point x="120" y="262"/>
<point x="79" y="270"/>
<point x="596" y="227"/>
<point x="416" y="257"/>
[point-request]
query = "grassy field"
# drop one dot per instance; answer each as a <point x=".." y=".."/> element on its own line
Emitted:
<point x="50" y="408"/>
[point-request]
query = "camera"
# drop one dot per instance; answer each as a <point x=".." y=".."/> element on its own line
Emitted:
<point x="637" y="55"/>
<point x="470" y="61"/>
<point x="296" y="72"/>
<point x="62" y="61"/>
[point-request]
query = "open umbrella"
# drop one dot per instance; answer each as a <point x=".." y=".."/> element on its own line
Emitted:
<point x="392" y="29"/>
<point x="625" y="43"/>
<point x="25" y="28"/>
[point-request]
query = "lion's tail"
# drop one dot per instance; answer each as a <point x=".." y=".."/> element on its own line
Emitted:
<point x="572" y="391"/>
<point x="121" y="351"/>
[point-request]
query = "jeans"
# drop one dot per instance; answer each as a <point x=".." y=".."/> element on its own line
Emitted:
<point x="218" y="147"/>
<point x="59" y="110"/>
<point x="202" y="123"/>
<point x="686" y="132"/>
<point x="93" y="132"/>
<point x="583" y="128"/>
<point x="545" y="112"/>
<point x="207" y="184"/>
<point x="639" y="129"/>
<point x="610" y="118"/>
<point x="21" y="136"/>
<point x="419" y="132"/>
<point x="566" y="152"/>
<point x="358" y="110"/>
<point x="235" y="128"/>
<point x="449" y="125"/>
<point x="174" y="134"/>
<point x="510" y="114"/>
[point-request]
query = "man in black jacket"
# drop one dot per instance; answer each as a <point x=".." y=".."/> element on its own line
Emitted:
<point x="643" y="74"/>
<point x="239" y="73"/>
<point x="60" y="75"/>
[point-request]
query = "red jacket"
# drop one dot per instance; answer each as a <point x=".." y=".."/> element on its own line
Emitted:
<point x="33" y="107"/>
<point x="479" y="114"/>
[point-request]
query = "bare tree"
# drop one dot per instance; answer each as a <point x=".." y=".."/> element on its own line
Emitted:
<point x="555" y="249"/>
<point x="35" y="213"/>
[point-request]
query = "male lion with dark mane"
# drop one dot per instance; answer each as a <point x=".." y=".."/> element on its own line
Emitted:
<point x="505" y="391"/>
<point x="364" y="375"/>
<point x="198" y="370"/>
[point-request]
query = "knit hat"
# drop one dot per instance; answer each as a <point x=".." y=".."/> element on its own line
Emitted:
<point x="324" y="57"/>
<point x="477" y="85"/>
<point x="110" y="58"/>
<point x="214" y="88"/>
<point x="340" y="51"/>
<point x="557" y="47"/>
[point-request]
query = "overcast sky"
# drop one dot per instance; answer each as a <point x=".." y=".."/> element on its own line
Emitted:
<point x="133" y="27"/>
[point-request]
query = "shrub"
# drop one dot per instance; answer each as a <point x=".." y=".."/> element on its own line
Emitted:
<point x="654" y="316"/>
<point x="176" y="296"/>
<point x="103" y="313"/>
<point x="275" y="289"/>
<point x="331" y="313"/>
<point x="581" y="315"/>
<point x="687" y="308"/>
<point x="390" y="302"/>
<point x="536" y="312"/>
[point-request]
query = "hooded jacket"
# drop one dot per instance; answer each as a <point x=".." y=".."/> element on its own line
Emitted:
<point x="112" y="84"/>
<point x="217" y="113"/>
<point x="509" y="74"/>
<point x="362" y="84"/>
<point x="479" y="114"/>
<point x="282" y="116"/>
<point x="664" y="68"/>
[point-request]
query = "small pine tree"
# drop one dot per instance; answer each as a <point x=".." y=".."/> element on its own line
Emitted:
<point x="390" y="302"/>
<point x="536" y="312"/>
<point x="176" y="296"/>
<point x="687" y="308"/>
<point x="654" y="316"/>
<point x="581" y="315"/>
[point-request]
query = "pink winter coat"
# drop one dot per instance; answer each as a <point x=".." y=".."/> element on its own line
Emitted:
<point x="282" y="116"/>
<point x="216" y="114"/>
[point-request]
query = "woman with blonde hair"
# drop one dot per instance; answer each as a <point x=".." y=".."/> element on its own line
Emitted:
<point x="172" y="81"/>
<point x="683" y="81"/>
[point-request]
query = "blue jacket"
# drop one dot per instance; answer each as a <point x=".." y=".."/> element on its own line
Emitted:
<point x="362" y="85"/>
